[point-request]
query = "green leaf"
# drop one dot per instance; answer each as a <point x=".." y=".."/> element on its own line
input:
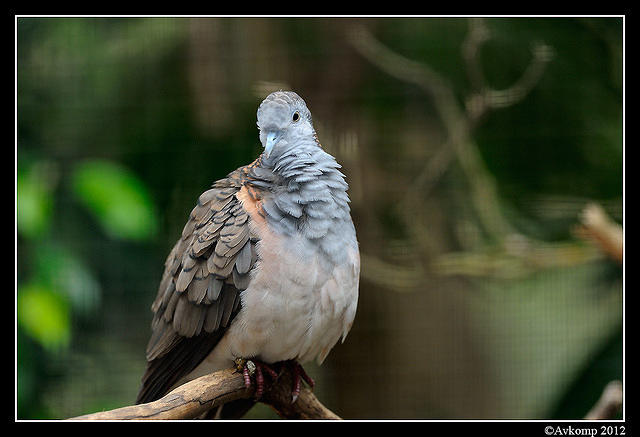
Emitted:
<point x="68" y="276"/>
<point x="33" y="205"/>
<point x="117" y="198"/>
<point x="44" y="315"/>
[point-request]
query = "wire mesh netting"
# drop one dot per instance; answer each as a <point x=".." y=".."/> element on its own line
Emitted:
<point x="471" y="147"/>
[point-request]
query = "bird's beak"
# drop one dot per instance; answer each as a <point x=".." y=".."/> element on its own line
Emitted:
<point x="272" y="139"/>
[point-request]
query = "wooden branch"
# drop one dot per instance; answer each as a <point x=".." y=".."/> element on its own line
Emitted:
<point x="306" y="407"/>
<point x="455" y="119"/>
<point x="599" y="228"/>
<point x="478" y="34"/>
<point x="199" y="396"/>
<point x="609" y="404"/>
<point x="480" y="103"/>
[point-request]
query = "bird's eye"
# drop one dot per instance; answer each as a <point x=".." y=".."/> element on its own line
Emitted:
<point x="296" y="116"/>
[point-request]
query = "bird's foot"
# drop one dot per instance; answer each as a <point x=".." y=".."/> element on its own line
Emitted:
<point x="298" y="376"/>
<point x="258" y="369"/>
<point x="250" y="368"/>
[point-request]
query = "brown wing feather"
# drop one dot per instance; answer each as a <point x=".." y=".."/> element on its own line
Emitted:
<point x="199" y="293"/>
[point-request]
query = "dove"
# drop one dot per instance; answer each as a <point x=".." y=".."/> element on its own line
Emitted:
<point x="266" y="270"/>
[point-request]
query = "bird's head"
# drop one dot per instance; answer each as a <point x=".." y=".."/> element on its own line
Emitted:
<point x="283" y="120"/>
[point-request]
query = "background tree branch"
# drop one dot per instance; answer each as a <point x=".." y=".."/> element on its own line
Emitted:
<point x="609" y="404"/>
<point x="197" y="397"/>
<point x="459" y="121"/>
<point x="598" y="227"/>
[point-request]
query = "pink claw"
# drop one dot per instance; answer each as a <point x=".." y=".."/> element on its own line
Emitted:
<point x="258" y="368"/>
<point x="309" y="380"/>
<point x="298" y="375"/>
<point x="272" y="373"/>
<point x="259" y="382"/>
<point x="247" y="378"/>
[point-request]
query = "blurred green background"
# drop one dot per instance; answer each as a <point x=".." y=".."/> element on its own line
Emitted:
<point x="470" y="146"/>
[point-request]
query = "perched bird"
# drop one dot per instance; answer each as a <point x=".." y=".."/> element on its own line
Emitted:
<point x="267" y="267"/>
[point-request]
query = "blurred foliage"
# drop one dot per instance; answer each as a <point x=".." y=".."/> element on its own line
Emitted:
<point x="123" y="122"/>
<point x="55" y="284"/>
<point x="34" y="207"/>
<point x="118" y="200"/>
<point x="44" y="315"/>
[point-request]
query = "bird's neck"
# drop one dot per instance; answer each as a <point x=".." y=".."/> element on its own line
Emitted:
<point x="302" y="191"/>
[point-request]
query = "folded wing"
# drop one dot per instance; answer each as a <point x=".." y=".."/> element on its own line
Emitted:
<point x="199" y="294"/>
